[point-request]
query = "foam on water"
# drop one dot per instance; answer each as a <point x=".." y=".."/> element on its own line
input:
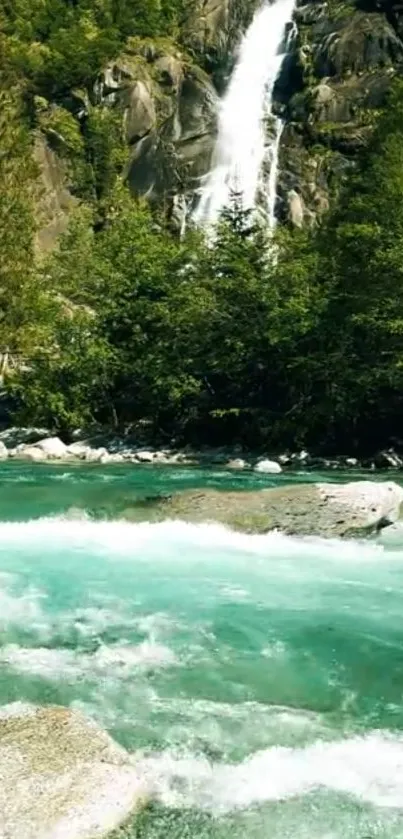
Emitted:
<point x="124" y="538"/>
<point x="117" y="661"/>
<point x="19" y="609"/>
<point x="244" y="672"/>
<point x="370" y="768"/>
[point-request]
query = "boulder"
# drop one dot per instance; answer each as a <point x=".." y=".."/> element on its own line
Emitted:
<point x="95" y="455"/>
<point x="3" y="451"/>
<point x="144" y="457"/>
<point x="270" y="467"/>
<point x="331" y="510"/>
<point x="109" y="458"/>
<point x="53" y="447"/>
<point x="236" y="463"/>
<point x="62" y="776"/>
<point x="78" y="450"/>
<point x="29" y="453"/>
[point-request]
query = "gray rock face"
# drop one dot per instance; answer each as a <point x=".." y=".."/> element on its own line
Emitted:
<point x="168" y="98"/>
<point x="55" y="201"/>
<point x="61" y="776"/>
<point x="140" y="115"/>
<point x="342" y="61"/>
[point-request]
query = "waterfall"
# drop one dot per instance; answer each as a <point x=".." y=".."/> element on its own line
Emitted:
<point x="241" y="148"/>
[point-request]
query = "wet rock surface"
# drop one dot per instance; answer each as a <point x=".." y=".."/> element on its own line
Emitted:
<point x="347" y="510"/>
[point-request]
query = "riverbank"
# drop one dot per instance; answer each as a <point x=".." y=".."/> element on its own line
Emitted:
<point x="40" y="445"/>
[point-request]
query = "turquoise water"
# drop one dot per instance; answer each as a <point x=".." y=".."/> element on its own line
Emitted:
<point x="258" y="679"/>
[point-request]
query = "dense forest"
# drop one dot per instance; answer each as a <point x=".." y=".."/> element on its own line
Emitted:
<point x="273" y="341"/>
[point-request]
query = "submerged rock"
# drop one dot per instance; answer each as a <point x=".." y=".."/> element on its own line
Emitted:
<point x="62" y="776"/>
<point x="332" y="510"/>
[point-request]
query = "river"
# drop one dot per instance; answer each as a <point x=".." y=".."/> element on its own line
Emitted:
<point x="258" y="679"/>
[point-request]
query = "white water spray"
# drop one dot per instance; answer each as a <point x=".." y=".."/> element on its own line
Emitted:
<point x="241" y="145"/>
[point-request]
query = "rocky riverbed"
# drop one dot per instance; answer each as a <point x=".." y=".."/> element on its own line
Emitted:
<point x="40" y="445"/>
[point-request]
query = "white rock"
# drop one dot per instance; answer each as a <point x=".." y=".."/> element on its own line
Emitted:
<point x="270" y="467"/>
<point x="162" y="456"/>
<point x="236" y="463"/>
<point x="112" y="458"/>
<point x="95" y="455"/>
<point x="173" y="459"/>
<point x="352" y="461"/>
<point x="3" y="451"/>
<point x="29" y="453"/>
<point x="144" y="456"/>
<point x="62" y="777"/>
<point x="373" y="503"/>
<point x="78" y="450"/>
<point x="53" y="447"/>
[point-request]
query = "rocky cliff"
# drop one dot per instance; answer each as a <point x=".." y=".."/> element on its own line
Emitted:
<point x="344" y="55"/>
<point x="162" y="95"/>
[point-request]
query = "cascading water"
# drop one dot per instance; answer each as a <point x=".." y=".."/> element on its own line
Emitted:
<point x="241" y="145"/>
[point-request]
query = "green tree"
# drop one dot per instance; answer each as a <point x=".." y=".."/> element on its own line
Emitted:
<point x="361" y="251"/>
<point x="18" y="293"/>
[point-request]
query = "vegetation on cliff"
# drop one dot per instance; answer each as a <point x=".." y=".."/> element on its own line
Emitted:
<point x="291" y="340"/>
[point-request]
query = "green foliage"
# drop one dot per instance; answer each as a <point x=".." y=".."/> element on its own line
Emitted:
<point x="59" y="45"/>
<point x="17" y="176"/>
<point x="60" y="127"/>
<point x="288" y="339"/>
<point x="105" y="150"/>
